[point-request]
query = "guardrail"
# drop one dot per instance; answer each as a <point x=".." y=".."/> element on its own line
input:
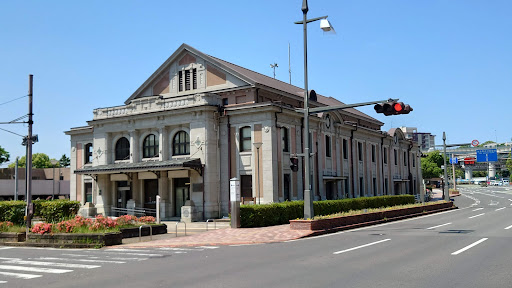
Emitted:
<point x="135" y="211"/>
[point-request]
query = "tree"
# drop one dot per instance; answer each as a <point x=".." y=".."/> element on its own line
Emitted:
<point x="4" y="155"/>
<point x="431" y="165"/>
<point x="39" y="160"/>
<point x="64" y="161"/>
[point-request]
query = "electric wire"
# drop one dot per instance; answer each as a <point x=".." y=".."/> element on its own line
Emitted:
<point x="12" y="132"/>
<point x="13" y="100"/>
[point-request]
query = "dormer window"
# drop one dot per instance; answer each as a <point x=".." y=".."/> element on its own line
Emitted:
<point x="187" y="79"/>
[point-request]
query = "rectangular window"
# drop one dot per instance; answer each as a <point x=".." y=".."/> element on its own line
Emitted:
<point x="194" y="78"/>
<point x="88" y="153"/>
<point x="386" y="186"/>
<point x="187" y="80"/>
<point x="180" y="81"/>
<point x="360" y="150"/>
<point x="225" y="101"/>
<point x="345" y="185"/>
<point x="413" y="160"/>
<point x="361" y="187"/>
<point x="345" y="149"/>
<point x="327" y="146"/>
<point x="396" y="156"/>
<point x="374" y="186"/>
<point x="245" y="185"/>
<point x="373" y="153"/>
<point x="245" y="139"/>
<point x="385" y="156"/>
<point x="286" y="187"/>
<point x="284" y="141"/>
<point x="405" y="158"/>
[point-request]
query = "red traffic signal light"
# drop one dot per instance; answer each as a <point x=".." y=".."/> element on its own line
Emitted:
<point x="392" y="108"/>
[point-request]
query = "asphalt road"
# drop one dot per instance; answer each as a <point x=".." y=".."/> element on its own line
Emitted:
<point x="467" y="247"/>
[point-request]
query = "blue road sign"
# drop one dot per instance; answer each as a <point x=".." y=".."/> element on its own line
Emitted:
<point x="487" y="155"/>
<point x="454" y="160"/>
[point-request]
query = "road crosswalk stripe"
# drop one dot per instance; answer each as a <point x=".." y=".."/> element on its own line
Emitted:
<point x="20" y="275"/>
<point x="80" y="260"/>
<point x="138" y="254"/>
<point x="53" y="264"/>
<point x="3" y="282"/>
<point x="34" y="269"/>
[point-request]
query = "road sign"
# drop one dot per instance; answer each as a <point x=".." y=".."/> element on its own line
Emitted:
<point x="475" y="143"/>
<point x="454" y="161"/>
<point x="487" y="155"/>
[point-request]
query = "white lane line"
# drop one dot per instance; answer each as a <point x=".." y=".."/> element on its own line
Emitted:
<point x="137" y="254"/>
<point x="477" y="209"/>
<point x="124" y="250"/>
<point x="508" y="227"/>
<point x="20" y="275"/>
<point x="5" y="248"/>
<point x="359" y="247"/>
<point x="52" y="264"/>
<point x="500" y="208"/>
<point x="34" y="269"/>
<point x="107" y="257"/>
<point x="469" y="246"/>
<point x="79" y="260"/>
<point x="179" y="249"/>
<point x="208" y="247"/>
<point x="3" y="282"/>
<point x="476" y="216"/>
<point x="434" y="227"/>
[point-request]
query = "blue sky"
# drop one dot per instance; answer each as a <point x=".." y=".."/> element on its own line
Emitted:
<point x="450" y="60"/>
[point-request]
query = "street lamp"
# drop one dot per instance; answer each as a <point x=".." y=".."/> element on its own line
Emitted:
<point x="257" y="145"/>
<point x="325" y="26"/>
<point x="54" y="162"/>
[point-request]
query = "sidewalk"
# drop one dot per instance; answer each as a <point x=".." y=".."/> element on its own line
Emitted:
<point x="224" y="235"/>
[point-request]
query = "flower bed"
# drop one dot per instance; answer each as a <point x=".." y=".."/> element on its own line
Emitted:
<point x="75" y="240"/>
<point x="353" y="221"/>
<point x="11" y="237"/>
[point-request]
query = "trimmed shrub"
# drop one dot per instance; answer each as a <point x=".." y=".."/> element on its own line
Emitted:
<point x="13" y="211"/>
<point x="55" y="210"/>
<point x="281" y="213"/>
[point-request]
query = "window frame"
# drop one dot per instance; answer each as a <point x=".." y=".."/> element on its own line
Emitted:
<point x="88" y="154"/>
<point x="328" y="146"/>
<point x="182" y="147"/>
<point x="150" y="147"/>
<point x="285" y="142"/>
<point x="243" y="140"/>
<point x="345" y="148"/>
<point x="119" y="150"/>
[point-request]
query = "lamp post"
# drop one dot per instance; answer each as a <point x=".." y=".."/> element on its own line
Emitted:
<point x="325" y="25"/>
<point x="54" y="162"/>
<point x="257" y="145"/>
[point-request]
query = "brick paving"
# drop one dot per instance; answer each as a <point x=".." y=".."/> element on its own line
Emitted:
<point x="225" y="236"/>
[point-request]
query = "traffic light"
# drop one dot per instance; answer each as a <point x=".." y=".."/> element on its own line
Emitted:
<point x="392" y="108"/>
<point x="294" y="164"/>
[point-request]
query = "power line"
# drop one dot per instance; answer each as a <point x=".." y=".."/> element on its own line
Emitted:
<point x="12" y="132"/>
<point x="13" y="100"/>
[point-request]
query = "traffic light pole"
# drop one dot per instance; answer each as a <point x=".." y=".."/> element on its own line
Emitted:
<point x="29" y="155"/>
<point x="446" y="194"/>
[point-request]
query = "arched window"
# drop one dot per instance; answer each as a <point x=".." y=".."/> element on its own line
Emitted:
<point x="150" y="146"/>
<point x="122" y="149"/>
<point x="245" y="139"/>
<point x="88" y="153"/>
<point x="181" y="143"/>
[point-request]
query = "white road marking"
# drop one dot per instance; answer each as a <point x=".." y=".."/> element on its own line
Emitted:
<point x="469" y="246"/>
<point x="477" y="209"/>
<point x="137" y="254"/>
<point x="508" y="227"/>
<point x="434" y="227"/>
<point x="34" y="269"/>
<point x="54" y="264"/>
<point x="80" y="260"/>
<point x="179" y="249"/>
<point x="359" y="247"/>
<point x="20" y="275"/>
<point x="3" y="282"/>
<point x="500" y="208"/>
<point x="476" y="216"/>
<point x="208" y="247"/>
<point x="5" y="248"/>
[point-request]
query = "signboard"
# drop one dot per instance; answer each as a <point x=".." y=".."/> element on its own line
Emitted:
<point x="234" y="189"/>
<point x="475" y="143"/>
<point x="469" y="160"/>
<point x="454" y="161"/>
<point x="487" y="155"/>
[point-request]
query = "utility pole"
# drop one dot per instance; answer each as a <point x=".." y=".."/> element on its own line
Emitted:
<point x="446" y="191"/>
<point x="453" y="173"/>
<point x="16" y="181"/>
<point x="30" y="209"/>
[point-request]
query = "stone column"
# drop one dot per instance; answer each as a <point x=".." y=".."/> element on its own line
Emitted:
<point x="468" y="172"/>
<point x="492" y="169"/>
<point x="134" y="146"/>
<point x="163" y="191"/>
<point x="163" y="144"/>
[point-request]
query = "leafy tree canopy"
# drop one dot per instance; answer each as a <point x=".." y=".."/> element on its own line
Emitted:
<point x="64" y="161"/>
<point x="431" y="165"/>
<point x="4" y="155"/>
<point x="39" y="160"/>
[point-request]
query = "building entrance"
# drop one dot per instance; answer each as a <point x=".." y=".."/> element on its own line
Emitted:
<point x="124" y="193"/>
<point x="181" y="193"/>
<point x="150" y="192"/>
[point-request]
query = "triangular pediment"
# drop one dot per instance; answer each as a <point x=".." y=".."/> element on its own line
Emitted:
<point x="189" y="71"/>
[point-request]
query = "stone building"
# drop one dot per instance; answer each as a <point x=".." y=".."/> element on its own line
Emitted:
<point x="192" y="125"/>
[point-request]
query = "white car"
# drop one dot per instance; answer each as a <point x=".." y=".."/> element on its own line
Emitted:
<point x="506" y="182"/>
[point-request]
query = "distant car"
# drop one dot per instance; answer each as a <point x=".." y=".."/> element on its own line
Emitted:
<point x="506" y="182"/>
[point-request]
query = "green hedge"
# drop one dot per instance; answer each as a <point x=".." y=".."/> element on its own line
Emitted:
<point x="280" y="213"/>
<point x="48" y="210"/>
<point x="13" y="211"/>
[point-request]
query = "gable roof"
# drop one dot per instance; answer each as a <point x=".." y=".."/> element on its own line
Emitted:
<point x="251" y="77"/>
